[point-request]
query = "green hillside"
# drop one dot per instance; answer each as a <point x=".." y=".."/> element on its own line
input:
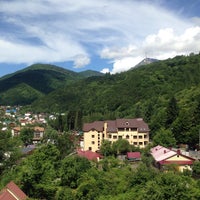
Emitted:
<point x="142" y="92"/>
<point x="40" y="78"/>
<point x="21" y="94"/>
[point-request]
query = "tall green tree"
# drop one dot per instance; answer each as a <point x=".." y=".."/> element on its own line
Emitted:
<point x="10" y="151"/>
<point x="171" y="112"/>
<point x="106" y="148"/>
<point x="72" y="168"/>
<point x="164" y="138"/>
<point x="121" y="146"/>
<point x="65" y="143"/>
<point x="26" y="135"/>
<point x="38" y="173"/>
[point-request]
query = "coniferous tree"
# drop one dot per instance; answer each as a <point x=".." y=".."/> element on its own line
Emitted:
<point x="171" y="112"/>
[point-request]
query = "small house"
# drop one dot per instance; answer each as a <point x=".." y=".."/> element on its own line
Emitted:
<point x="164" y="157"/>
<point x="133" y="156"/>
<point x="12" y="192"/>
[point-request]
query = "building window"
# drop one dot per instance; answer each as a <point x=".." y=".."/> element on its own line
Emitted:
<point x="120" y="137"/>
<point x="37" y="135"/>
<point x="145" y="136"/>
<point x="127" y="123"/>
<point x="140" y="137"/>
<point x="133" y="129"/>
<point x="114" y="137"/>
<point x="127" y="137"/>
<point x="93" y="136"/>
<point x="110" y="136"/>
<point x="90" y="148"/>
<point x="135" y="137"/>
<point x="135" y="143"/>
<point x="93" y="142"/>
<point x="140" y="143"/>
<point x="103" y="135"/>
<point x="120" y="129"/>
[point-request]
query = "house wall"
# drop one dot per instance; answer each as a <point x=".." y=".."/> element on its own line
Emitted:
<point x="178" y="158"/>
<point x="93" y="138"/>
<point x="133" y="137"/>
<point x="184" y="167"/>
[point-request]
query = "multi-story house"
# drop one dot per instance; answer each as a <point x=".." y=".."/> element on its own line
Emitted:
<point x="136" y="131"/>
<point x="38" y="134"/>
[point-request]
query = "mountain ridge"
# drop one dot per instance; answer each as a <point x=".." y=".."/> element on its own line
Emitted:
<point x="43" y="78"/>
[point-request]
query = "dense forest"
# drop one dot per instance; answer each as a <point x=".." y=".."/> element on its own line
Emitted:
<point x="165" y="93"/>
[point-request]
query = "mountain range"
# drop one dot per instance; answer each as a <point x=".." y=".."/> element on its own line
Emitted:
<point x="35" y="81"/>
<point x="133" y="93"/>
<point x="166" y="94"/>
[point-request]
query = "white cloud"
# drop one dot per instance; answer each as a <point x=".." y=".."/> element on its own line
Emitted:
<point x="167" y="42"/>
<point x="125" y="64"/>
<point x="80" y="61"/>
<point x="162" y="45"/>
<point x="118" y="31"/>
<point x="105" y="70"/>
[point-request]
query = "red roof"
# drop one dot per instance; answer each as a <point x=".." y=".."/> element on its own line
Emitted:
<point x="132" y="155"/>
<point x="89" y="154"/>
<point x="184" y="162"/>
<point x="12" y="192"/>
<point x="162" y="154"/>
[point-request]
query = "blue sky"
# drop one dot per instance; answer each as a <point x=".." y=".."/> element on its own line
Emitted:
<point x="107" y="35"/>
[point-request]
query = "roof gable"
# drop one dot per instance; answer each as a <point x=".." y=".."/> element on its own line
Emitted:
<point x="165" y="155"/>
<point x="133" y="123"/>
<point x="12" y="192"/>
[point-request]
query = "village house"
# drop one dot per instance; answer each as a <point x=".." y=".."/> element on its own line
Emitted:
<point x="133" y="156"/>
<point x="12" y="192"/>
<point x="38" y="134"/>
<point x="164" y="157"/>
<point x="90" y="155"/>
<point x="16" y="131"/>
<point x="135" y="131"/>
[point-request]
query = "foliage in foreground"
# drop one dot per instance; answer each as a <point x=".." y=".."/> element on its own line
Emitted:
<point x="44" y="175"/>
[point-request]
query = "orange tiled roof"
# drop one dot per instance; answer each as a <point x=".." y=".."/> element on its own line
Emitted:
<point x="38" y="128"/>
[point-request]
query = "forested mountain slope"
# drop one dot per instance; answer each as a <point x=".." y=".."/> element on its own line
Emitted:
<point x="37" y="80"/>
<point x="142" y="92"/>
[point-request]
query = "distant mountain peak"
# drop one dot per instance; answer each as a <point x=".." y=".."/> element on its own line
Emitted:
<point x="146" y="61"/>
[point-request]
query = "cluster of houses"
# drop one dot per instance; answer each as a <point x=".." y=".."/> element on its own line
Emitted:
<point x="136" y="131"/>
<point x="12" y="120"/>
<point x="11" y="116"/>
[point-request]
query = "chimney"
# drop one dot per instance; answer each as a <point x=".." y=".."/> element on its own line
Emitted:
<point x="178" y="152"/>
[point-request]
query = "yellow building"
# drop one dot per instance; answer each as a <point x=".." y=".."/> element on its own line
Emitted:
<point x="136" y="131"/>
